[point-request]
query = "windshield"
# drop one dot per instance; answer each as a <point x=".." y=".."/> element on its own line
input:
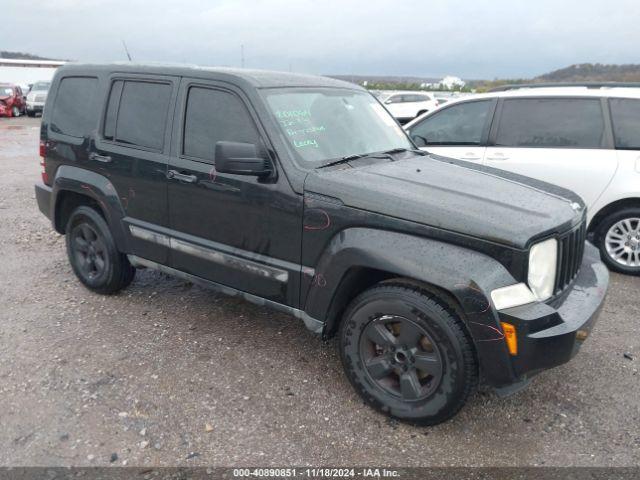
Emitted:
<point x="4" y="91"/>
<point x="326" y="124"/>
<point x="40" y="86"/>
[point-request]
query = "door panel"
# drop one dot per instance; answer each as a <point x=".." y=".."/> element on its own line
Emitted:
<point x="237" y="230"/>
<point x="586" y="172"/>
<point x="561" y="140"/>
<point x="133" y="151"/>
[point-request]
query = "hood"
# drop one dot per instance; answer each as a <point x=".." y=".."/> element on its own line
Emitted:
<point x="483" y="203"/>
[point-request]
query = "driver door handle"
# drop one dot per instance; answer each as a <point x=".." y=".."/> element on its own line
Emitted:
<point x="99" y="158"/>
<point x="174" y="175"/>
<point x="470" y="156"/>
<point x="497" y="156"/>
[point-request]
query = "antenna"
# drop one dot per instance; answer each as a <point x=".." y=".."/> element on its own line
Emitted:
<point x="126" y="50"/>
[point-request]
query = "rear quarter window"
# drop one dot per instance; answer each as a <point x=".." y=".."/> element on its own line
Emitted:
<point x="625" y="114"/>
<point x="141" y="115"/>
<point x="74" y="110"/>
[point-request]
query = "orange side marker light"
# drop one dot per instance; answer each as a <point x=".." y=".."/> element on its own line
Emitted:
<point x="510" y="337"/>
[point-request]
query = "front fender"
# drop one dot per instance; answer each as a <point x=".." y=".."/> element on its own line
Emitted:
<point x="466" y="275"/>
<point x="93" y="185"/>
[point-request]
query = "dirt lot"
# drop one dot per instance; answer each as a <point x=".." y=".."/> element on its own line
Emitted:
<point x="167" y="373"/>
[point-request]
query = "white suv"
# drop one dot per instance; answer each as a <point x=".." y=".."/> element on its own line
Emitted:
<point x="405" y="106"/>
<point x="584" y="138"/>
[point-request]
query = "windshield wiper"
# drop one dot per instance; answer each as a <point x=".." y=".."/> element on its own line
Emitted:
<point x="356" y="156"/>
<point x="402" y="149"/>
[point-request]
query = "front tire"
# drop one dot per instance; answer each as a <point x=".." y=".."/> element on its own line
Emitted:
<point x="407" y="354"/>
<point x="618" y="238"/>
<point x="93" y="255"/>
<point x="15" y="112"/>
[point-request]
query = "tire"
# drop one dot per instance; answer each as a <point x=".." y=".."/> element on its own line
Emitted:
<point x="618" y="238"/>
<point x="15" y="112"/>
<point x="30" y="113"/>
<point x="93" y="254"/>
<point x="406" y="353"/>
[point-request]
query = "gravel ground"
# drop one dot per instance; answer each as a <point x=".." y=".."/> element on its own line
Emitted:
<point x="167" y="373"/>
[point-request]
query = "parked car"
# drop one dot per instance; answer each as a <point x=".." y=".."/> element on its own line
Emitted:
<point x="583" y="139"/>
<point x="405" y="106"/>
<point x="36" y="97"/>
<point x="303" y="194"/>
<point x="12" y="102"/>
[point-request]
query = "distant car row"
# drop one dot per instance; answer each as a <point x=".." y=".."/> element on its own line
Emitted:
<point x="15" y="101"/>
<point x="407" y="105"/>
<point x="583" y="139"/>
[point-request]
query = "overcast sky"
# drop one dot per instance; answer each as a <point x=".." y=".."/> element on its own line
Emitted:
<point x="468" y="38"/>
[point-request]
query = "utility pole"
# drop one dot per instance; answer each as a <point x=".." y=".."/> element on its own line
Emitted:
<point x="242" y="55"/>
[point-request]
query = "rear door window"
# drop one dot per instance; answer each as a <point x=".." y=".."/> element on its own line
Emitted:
<point x="142" y="114"/>
<point x="551" y="123"/>
<point x="74" y="110"/>
<point x="461" y="124"/>
<point x="212" y="116"/>
<point x="625" y="114"/>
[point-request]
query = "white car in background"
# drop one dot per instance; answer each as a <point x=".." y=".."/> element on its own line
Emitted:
<point x="37" y="97"/>
<point x="405" y="106"/>
<point x="584" y="138"/>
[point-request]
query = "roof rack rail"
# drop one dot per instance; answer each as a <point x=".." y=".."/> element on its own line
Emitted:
<point x="594" y="85"/>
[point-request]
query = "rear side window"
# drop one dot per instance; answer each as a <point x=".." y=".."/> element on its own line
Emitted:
<point x="461" y="124"/>
<point x="551" y="122"/>
<point x="625" y="114"/>
<point x="74" y="111"/>
<point x="213" y="116"/>
<point x="142" y="115"/>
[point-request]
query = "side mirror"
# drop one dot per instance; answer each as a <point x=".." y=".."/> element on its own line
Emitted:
<point x="419" y="140"/>
<point x="240" y="159"/>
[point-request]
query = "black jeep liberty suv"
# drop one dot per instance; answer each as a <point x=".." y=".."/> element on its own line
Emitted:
<point x="302" y="193"/>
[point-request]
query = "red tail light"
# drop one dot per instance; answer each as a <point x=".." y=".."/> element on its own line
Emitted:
<point x="43" y="154"/>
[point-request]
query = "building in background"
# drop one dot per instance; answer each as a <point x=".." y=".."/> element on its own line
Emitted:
<point x="27" y="72"/>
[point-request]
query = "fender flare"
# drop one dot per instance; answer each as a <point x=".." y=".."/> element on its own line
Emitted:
<point x="97" y="187"/>
<point x="466" y="275"/>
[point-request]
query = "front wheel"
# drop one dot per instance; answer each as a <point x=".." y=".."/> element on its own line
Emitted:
<point x="15" y="112"/>
<point x="93" y="254"/>
<point x="618" y="239"/>
<point x="406" y="353"/>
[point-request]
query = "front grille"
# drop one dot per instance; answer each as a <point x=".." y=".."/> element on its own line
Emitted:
<point x="570" y="251"/>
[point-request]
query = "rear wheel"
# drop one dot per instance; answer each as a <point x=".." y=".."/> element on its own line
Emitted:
<point x="619" y="240"/>
<point x="93" y="254"/>
<point x="406" y="353"/>
<point x="15" y="112"/>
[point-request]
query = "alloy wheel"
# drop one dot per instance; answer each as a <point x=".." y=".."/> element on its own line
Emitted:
<point x="622" y="242"/>
<point x="89" y="251"/>
<point x="401" y="357"/>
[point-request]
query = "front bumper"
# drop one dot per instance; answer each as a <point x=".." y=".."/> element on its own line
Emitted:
<point x="35" y="106"/>
<point x="550" y="334"/>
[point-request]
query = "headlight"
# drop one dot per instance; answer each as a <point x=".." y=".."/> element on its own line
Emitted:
<point x="543" y="259"/>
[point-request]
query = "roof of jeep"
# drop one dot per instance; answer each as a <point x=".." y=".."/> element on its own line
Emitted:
<point x="255" y="78"/>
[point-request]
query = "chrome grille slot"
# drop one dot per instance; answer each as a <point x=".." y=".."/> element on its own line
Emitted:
<point x="570" y="251"/>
